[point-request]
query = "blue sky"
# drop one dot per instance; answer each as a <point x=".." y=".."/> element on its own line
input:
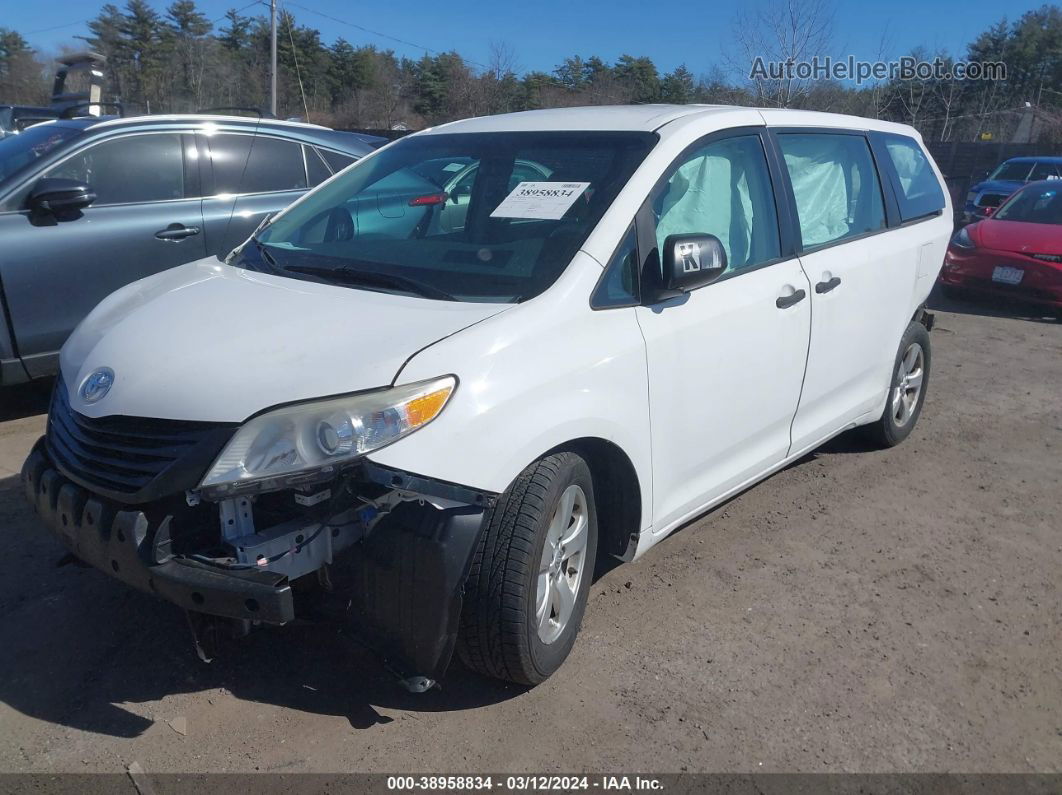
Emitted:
<point x="543" y="33"/>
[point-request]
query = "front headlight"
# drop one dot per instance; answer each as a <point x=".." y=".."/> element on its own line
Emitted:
<point x="299" y="442"/>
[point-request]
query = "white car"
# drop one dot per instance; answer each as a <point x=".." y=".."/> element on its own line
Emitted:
<point x="442" y="425"/>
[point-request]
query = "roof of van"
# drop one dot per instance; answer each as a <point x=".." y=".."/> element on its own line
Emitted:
<point x="648" y="118"/>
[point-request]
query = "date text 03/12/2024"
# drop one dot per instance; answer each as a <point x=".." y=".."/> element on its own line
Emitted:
<point x="617" y="783"/>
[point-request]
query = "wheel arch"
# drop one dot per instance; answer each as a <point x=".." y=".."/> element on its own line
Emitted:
<point x="617" y="494"/>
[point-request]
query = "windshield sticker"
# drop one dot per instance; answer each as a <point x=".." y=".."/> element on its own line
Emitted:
<point x="454" y="166"/>
<point x="546" y="201"/>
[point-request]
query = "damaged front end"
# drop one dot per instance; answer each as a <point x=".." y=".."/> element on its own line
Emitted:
<point x="392" y="549"/>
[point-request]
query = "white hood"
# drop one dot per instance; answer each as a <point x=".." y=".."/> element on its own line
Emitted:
<point x="206" y="341"/>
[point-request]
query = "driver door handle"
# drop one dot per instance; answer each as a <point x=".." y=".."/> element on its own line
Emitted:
<point x="825" y="287"/>
<point x="177" y="232"/>
<point x="786" y="301"/>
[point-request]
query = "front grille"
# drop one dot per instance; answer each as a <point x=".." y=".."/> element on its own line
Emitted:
<point x="991" y="199"/>
<point x="122" y="455"/>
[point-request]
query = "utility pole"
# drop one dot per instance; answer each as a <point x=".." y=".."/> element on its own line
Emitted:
<point x="273" y="57"/>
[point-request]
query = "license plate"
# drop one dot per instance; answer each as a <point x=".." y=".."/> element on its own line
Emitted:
<point x="1007" y="275"/>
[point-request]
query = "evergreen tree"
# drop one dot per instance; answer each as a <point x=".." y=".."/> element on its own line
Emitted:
<point x="640" y="77"/>
<point x="237" y="35"/>
<point x="678" y="86"/>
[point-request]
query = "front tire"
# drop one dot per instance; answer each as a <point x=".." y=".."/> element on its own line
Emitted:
<point x="907" y="390"/>
<point x="530" y="576"/>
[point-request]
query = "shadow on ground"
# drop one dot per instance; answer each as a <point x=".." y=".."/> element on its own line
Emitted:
<point x="79" y="645"/>
<point x="76" y="645"/>
<point x="852" y="441"/>
<point x="988" y="306"/>
<point x="25" y="400"/>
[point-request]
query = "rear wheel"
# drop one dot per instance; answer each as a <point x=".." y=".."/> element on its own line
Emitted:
<point x="530" y="577"/>
<point x="907" y="391"/>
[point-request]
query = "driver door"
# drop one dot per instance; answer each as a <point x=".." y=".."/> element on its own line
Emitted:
<point x="726" y="360"/>
<point x="146" y="218"/>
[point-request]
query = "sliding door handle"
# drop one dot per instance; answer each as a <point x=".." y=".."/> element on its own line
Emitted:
<point x="786" y="301"/>
<point x="825" y="287"/>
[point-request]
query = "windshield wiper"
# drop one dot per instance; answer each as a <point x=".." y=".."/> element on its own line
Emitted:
<point x="263" y="251"/>
<point x="349" y="275"/>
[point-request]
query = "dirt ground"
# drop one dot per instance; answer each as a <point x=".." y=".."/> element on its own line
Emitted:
<point x="859" y="611"/>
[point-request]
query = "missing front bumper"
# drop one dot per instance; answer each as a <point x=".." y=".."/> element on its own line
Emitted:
<point x="130" y="547"/>
<point x="399" y="586"/>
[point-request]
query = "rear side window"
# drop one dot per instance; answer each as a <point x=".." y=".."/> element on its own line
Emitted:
<point x="917" y="188"/>
<point x="835" y="184"/>
<point x="130" y="169"/>
<point x="256" y="164"/>
<point x="1044" y="171"/>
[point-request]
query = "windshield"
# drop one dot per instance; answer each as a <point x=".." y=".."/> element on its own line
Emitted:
<point x="1036" y="204"/>
<point x="471" y="217"/>
<point x="19" y="151"/>
<point x="1012" y="171"/>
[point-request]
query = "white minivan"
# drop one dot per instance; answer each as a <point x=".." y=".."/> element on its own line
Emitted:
<point x="435" y="392"/>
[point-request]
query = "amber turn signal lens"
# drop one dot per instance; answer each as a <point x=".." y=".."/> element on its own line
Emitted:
<point x="426" y="407"/>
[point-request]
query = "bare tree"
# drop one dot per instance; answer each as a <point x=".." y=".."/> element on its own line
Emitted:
<point x="497" y="80"/>
<point x="781" y="32"/>
<point x="880" y="96"/>
<point x="913" y="95"/>
<point x="947" y="95"/>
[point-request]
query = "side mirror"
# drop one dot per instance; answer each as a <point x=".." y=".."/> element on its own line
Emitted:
<point x="53" y="195"/>
<point x="691" y="261"/>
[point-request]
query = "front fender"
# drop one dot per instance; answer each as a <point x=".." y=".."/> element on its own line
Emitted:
<point x="544" y="373"/>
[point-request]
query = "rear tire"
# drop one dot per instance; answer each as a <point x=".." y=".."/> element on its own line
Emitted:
<point x="907" y="389"/>
<point x="540" y="544"/>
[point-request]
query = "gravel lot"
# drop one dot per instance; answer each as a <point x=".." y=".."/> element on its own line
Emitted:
<point x="859" y="611"/>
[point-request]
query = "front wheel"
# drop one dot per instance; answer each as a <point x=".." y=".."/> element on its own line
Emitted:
<point x="907" y="391"/>
<point x="530" y="576"/>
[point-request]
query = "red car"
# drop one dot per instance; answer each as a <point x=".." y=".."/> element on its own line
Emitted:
<point x="1016" y="252"/>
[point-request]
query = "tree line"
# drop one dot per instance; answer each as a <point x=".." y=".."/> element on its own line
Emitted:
<point x="179" y="60"/>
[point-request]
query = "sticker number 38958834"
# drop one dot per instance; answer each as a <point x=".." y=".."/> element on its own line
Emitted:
<point x="547" y="201"/>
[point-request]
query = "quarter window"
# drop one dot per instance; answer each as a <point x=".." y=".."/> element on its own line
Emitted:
<point x="336" y="161"/>
<point x="130" y="169"/>
<point x="316" y="170"/>
<point x="724" y="189"/>
<point x="918" y="190"/>
<point x="256" y="164"/>
<point x="835" y="185"/>
<point x="618" y="285"/>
